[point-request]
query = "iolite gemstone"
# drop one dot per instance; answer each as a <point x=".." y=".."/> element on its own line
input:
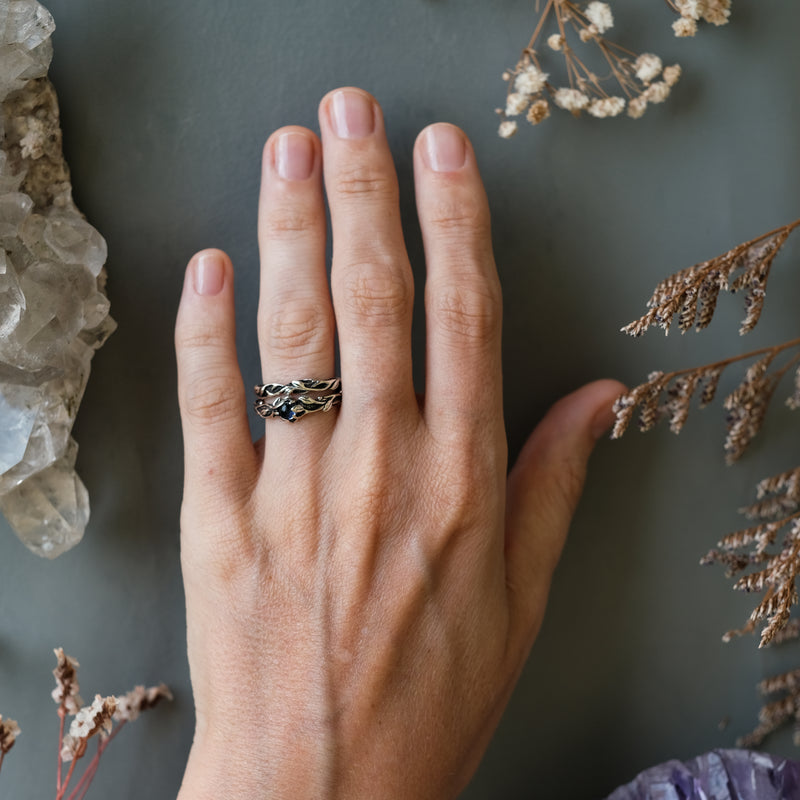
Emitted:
<point x="286" y="411"/>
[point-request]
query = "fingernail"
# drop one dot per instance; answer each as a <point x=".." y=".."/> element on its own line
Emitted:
<point x="209" y="274"/>
<point x="445" y="148"/>
<point x="294" y="156"/>
<point x="353" y="115"/>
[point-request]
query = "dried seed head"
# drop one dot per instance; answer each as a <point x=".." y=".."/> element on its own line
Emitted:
<point x="9" y="730"/>
<point x="538" y="112"/>
<point x="67" y="688"/>
<point x="132" y="704"/>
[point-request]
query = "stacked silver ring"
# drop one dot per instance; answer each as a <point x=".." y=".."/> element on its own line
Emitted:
<point x="295" y="399"/>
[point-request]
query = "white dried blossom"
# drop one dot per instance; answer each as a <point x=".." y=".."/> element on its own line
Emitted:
<point x="72" y="747"/>
<point x="571" y="99"/>
<point x="648" y="67"/>
<point x="637" y="107"/>
<point x="684" y="27"/>
<point x="588" y="33"/>
<point x="599" y="14"/>
<point x="607" y="107"/>
<point x="539" y="111"/>
<point x="672" y="74"/>
<point x="531" y="80"/>
<point x="507" y="128"/>
<point x="657" y="92"/>
<point x="555" y="41"/>
<point x="91" y="719"/>
<point x="717" y="12"/>
<point x="690" y="9"/>
<point x="516" y="103"/>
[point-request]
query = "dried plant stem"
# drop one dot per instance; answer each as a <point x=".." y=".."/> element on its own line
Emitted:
<point x="2" y="756"/>
<point x="542" y="20"/>
<point x="62" y="713"/>
<point x="91" y="770"/>
<point x="773" y="350"/>
<point x="60" y="794"/>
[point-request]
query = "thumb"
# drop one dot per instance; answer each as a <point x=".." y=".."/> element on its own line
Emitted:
<point x="543" y="490"/>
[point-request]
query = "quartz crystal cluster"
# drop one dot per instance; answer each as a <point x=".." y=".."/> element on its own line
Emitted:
<point x="53" y="308"/>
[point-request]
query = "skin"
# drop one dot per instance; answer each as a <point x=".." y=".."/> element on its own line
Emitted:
<point x="363" y="586"/>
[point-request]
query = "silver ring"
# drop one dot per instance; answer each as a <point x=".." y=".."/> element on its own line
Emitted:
<point x="298" y="387"/>
<point x="291" y="408"/>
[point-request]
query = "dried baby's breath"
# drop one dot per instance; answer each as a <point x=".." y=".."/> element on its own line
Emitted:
<point x="628" y="79"/>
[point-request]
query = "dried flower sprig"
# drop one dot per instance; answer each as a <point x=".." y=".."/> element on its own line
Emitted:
<point x="776" y="713"/>
<point x="776" y="506"/>
<point x="691" y="294"/>
<point x="642" y="79"/>
<point x="669" y="396"/>
<point x="9" y="730"/>
<point x="94" y="720"/>
<point x="772" y="545"/>
<point x="717" y="12"/>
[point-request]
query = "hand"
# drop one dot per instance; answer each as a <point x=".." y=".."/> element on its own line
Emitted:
<point x="361" y="588"/>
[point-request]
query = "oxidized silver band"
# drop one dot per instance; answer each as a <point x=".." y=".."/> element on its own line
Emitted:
<point x="298" y="387"/>
<point x="291" y="408"/>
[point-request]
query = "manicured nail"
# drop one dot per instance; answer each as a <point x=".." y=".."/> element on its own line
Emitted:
<point x="445" y="148"/>
<point x="352" y="114"/>
<point x="209" y="274"/>
<point x="294" y="156"/>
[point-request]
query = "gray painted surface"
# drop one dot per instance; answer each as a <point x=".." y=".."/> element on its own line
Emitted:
<point x="165" y="109"/>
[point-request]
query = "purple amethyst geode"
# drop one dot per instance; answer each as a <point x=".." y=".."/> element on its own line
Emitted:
<point x="718" y="775"/>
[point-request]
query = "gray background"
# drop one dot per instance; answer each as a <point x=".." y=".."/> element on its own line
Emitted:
<point x="165" y="109"/>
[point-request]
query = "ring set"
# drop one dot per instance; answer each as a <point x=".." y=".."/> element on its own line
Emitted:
<point x="295" y="399"/>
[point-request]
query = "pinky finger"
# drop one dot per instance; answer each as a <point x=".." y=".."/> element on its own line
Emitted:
<point x="218" y="451"/>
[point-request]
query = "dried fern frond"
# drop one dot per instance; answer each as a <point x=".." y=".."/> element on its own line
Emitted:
<point x="777" y="571"/>
<point x="669" y="395"/>
<point x="691" y="294"/>
<point x="779" y="494"/>
<point x="780" y="711"/>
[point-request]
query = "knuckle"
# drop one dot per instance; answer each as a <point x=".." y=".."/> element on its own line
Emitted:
<point x="289" y="223"/>
<point x="208" y="401"/>
<point x="298" y="327"/>
<point x="377" y="295"/>
<point x="468" y="312"/>
<point x="459" y="217"/>
<point x="192" y="338"/>
<point x="364" y="180"/>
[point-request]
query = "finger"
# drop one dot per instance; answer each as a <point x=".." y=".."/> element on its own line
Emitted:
<point x="218" y="450"/>
<point x="295" y="317"/>
<point x="371" y="279"/>
<point x="543" y="490"/>
<point x="463" y="307"/>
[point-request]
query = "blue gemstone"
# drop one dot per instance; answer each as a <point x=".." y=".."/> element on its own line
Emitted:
<point x="287" y="412"/>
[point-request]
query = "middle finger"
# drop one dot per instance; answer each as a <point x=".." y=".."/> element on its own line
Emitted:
<point x="371" y="280"/>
